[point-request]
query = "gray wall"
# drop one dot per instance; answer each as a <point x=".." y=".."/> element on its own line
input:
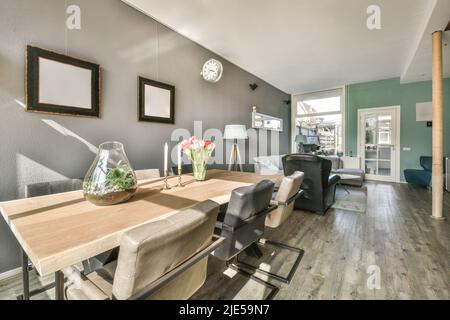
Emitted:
<point x="123" y="42"/>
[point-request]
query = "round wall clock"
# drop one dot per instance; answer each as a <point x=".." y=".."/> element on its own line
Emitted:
<point x="212" y="70"/>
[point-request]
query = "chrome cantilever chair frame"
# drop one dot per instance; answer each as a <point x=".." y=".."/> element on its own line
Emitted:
<point x="165" y="279"/>
<point x="263" y="241"/>
<point x="233" y="266"/>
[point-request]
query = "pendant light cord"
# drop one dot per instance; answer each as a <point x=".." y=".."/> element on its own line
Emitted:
<point x="66" y="35"/>
<point x="157" y="52"/>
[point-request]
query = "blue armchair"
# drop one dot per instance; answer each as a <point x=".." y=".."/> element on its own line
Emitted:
<point x="420" y="177"/>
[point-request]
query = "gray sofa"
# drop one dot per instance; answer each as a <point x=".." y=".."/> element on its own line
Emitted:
<point x="272" y="165"/>
<point x="339" y="169"/>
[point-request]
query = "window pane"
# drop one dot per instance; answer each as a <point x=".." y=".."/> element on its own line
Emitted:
<point x="313" y="106"/>
<point x="328" y="128"/>
<point x="371" y="167"/>
<point x="384" y="129"/>
<point x="371" y="129"/>
<point x="371" y="152"/>
<point x="384" y="168"/>
<point x="384" y="153"/>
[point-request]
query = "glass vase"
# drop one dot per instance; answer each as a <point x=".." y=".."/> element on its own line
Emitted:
<point x="199" y="170"/>
<point x="110" y="179"/>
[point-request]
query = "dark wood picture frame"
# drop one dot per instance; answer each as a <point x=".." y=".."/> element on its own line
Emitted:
<point x="142" y="82"/>
<point x="32" y="84"/>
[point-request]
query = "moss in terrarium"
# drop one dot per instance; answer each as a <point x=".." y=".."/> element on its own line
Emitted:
<point x="119" y="185"/>
<point x="120" y="178"/>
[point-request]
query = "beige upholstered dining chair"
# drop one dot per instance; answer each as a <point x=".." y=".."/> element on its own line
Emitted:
<point x="147" y="174"/>
<point x="164" y="259"/>
<point x="284" y="199"/>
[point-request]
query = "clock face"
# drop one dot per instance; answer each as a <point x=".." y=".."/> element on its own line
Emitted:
<point x="212" y="70"/>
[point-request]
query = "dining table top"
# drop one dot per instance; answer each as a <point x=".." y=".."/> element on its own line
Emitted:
<point x="59" y="230"/>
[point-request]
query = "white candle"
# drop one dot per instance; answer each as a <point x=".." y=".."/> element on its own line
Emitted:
<point x="166" y="152"/>
<point x="179" y="157"/>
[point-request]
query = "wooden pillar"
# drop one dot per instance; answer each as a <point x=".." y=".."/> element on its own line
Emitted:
<point x="438" y="124"/>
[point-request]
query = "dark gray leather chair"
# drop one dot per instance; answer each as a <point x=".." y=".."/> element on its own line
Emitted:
<point x="319" y="185"/>
<point x="242" y="224"/>
<point x="288" y="192"/>
<point x="53" y="187"/>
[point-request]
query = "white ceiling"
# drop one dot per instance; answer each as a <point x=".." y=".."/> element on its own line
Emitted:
<point x="418" y="65"/>
<point x="305" y="45"/>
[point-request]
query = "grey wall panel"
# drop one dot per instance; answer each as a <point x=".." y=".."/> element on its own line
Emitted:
<point x="37" y="147"/>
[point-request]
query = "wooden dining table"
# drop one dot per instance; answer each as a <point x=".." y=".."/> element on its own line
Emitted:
<point x="60" y="230"/>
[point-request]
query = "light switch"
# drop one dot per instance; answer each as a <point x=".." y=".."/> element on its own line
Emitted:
<point x="406" y="148"/>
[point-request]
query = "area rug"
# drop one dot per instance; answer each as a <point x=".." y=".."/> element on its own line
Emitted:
<point x="351" y="199"/>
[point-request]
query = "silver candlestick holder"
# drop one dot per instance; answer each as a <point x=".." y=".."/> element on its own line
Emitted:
<point x="166" y="178"/>
<point x="180" y="184"/>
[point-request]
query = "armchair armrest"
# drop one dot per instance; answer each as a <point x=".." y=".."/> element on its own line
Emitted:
<point x="156" y="285"/>
<point x="333" y="179"/>
<point x="224" y="226"/>
<point x="290" y="200"/>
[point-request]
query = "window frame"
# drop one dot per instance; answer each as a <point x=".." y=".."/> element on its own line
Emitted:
<point x="339" y="91"/>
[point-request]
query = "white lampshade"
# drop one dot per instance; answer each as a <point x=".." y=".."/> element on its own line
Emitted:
<point x="235" y="131"/>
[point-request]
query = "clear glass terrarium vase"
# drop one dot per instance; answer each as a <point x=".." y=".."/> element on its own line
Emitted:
<point x="110" y="179"/>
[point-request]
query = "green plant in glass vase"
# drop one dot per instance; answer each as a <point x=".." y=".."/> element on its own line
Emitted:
<point x="120" y="178"/>
<point x="110" y="180"/>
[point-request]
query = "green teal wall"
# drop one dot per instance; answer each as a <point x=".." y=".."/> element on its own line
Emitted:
<point x="390" y="92"/>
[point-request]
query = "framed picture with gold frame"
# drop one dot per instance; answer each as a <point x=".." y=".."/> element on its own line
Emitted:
<point x="59" y="84"/>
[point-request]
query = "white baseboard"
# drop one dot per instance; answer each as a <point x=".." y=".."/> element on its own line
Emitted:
<point x="10" y="273"/>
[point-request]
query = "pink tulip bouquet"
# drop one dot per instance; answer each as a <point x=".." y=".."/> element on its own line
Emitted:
<point x="198" y="151"/>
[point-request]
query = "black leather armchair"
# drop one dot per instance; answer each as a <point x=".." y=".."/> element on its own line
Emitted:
<point x="318" y="185"/>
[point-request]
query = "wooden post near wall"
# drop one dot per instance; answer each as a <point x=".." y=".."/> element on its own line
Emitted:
<point x="438" y="126"/>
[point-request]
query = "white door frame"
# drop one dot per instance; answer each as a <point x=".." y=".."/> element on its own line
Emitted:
<point x="361" y="150"/>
